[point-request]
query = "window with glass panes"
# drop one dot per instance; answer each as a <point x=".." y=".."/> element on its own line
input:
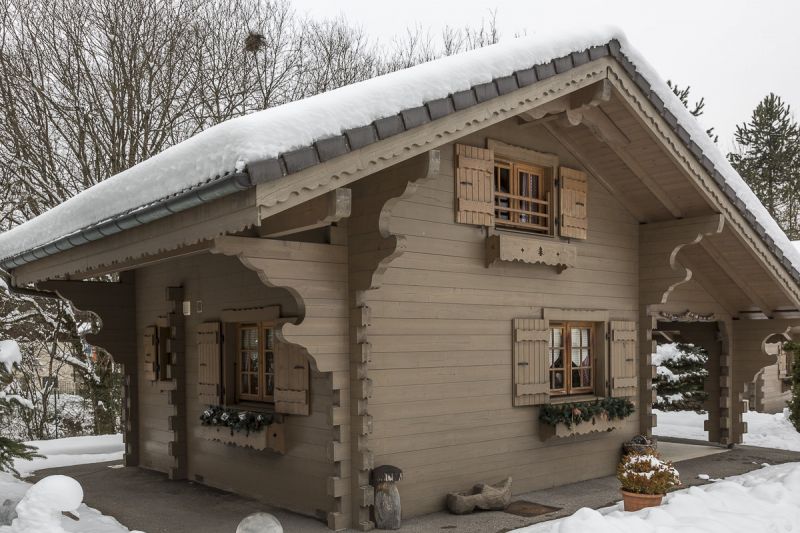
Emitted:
<point x="521" y="196"/>
<point x="255" y="365"/>
<point x="571" y="358"/>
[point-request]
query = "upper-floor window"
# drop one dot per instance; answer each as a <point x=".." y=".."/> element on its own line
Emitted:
<point x="522" y="196"/>
<point x="517" y="188"/>
<point x="571" y="357"/>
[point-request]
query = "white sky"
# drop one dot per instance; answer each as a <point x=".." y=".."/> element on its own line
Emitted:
<point x="731" y="52"/>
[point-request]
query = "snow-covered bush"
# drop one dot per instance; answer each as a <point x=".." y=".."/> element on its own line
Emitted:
<point x="680" y="377"/>
<point x="794" y="401"/>
<point x="647" y="473"/>
<point x="10" y="448"/>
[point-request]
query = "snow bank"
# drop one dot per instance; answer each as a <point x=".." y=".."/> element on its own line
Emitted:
<point x="10" y="354"/>
<point x="764" y="500"/>
<point x="764" y="430"/>
<point x="265" y="134"/>
<point x="72" y="451"/>
<point x="41" y="505"/>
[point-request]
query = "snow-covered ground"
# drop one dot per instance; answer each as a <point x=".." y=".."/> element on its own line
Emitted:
<point x="763" y="500"/>
<point x="765" y="430"/>
<point x="64" y="452"/>
<point x="91" y="520"/>
<point x="72" y="451"/>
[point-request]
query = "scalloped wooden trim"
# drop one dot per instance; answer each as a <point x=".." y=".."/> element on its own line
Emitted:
<point x="502" y="247"/>
<point x="271" y="437"/>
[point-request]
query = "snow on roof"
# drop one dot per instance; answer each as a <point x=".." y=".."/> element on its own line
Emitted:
<point x="266" y="134"/>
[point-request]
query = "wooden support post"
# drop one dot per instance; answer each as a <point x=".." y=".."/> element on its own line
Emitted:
<point x="177" y="365"/>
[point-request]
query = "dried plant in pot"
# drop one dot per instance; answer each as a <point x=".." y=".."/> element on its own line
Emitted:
<point x="645" y="479"/>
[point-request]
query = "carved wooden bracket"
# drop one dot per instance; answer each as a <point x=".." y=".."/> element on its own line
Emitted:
<point x="316" y="276"/>
<point x="659" y="245"/>
<point x="503" y="247"/>
<point x="419" y="170"/>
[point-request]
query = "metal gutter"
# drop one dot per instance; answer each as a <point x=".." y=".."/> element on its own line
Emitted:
<point x="207" y="192"/>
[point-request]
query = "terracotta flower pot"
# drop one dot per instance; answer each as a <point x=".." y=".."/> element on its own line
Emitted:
<point x="634" y="501"/>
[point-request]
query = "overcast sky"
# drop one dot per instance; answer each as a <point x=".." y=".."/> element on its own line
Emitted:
<point x="731" y="52"/>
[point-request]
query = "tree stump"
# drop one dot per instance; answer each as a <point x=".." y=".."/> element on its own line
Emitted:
<point x="482" y="496"/>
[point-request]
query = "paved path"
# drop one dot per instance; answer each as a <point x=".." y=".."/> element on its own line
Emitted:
<point x="148" y="501"/>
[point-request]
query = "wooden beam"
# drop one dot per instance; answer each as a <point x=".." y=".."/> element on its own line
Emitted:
<point x="318" y="212"/>
<point x="591" y="96"/>
<point x="753" y="295"/>
<point x="587" y="97"/>
<point x="602" y="126"/>
<point x="634" y="209"/>
<point x="708" y="284"/>
<point x="651" y="184"/>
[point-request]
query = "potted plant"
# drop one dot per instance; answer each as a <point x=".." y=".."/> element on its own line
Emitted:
<point x="645" y="479"/>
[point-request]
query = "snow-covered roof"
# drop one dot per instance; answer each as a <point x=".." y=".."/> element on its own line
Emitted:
<point x="295" y="135"/>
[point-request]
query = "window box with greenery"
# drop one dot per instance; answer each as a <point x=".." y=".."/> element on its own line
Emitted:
<point x="246" y="429"/>
<point x="582" y="418"/>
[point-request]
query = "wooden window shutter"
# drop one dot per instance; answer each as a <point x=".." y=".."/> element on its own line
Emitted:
<point x="150" y="347"/>
<point x="209" y="357"/>
<point x="474" y="185"/>
<point x="624" y="377"/>
<point x="291" y="379"/>
<point x="574" y="189"/>
<point x="531" y="370"/>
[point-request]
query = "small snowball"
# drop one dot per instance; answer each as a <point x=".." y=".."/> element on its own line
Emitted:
<point x="260" y="523"/>
<point x="703" y="476"/>
<point x="41" y="507"/>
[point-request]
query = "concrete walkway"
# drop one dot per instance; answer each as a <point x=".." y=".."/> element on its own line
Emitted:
<point x="149" y="502"/>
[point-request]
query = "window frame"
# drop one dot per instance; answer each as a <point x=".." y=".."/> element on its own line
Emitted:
<point x="566" y="326"/>
<point x="527" y="157"/>
<point x="264" y="352"/>
<point x="539" y="206"/>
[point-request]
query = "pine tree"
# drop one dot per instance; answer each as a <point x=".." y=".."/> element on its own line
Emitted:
<point x="680" y="377"/>
<point x="767" y="157"/>
<point x="699" y="106"/>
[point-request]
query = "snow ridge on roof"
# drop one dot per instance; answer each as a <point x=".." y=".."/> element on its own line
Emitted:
<point x="267" y="134"/>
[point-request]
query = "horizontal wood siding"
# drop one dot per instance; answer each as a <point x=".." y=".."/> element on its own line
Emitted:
<point x="440" y="332"/>
<point x="296" y="480"/>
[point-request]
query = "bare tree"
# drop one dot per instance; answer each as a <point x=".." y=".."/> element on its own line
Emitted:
<point x="89" y="88"/>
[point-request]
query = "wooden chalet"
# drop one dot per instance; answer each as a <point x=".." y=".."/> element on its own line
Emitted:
<point x="413" y="289"/>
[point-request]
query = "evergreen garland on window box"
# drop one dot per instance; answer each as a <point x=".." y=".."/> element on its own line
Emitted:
<point x="575" y="413"/>
<point x="235" y="419"/>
